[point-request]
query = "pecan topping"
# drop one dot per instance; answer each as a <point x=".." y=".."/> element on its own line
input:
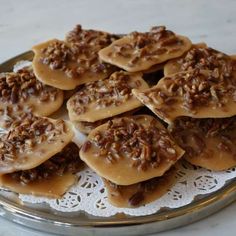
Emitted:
<point x="207" y="59"/>
<point x="143" y="44"/>
<point x="56" y="55"/>
<point x="78" y="54"/>
<point x="89" y="38"/>
<point x="139" y="51"/>
<point x="22" y="85"/>
<point x="9" y="114"/>
<point x="112" y="91"/>
<point x="24" y="135"/>
<point x="63" y="162"/>
<point x="193" y="89"/>
<point x="145" y="146"/>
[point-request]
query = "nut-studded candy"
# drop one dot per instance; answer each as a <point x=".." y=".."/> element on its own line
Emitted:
<point x="67" y="64"/>
<point x="22" y="88"/>
<point x="202" y="57"/>
<point x="52" y="178"/>
<point x="140" y="51"/>
<point x="209" y="143"/>
<point x="106" y="98"/>
<point x="196" y="93"/>
<point x="139" y="194"/>
<point x="130" y="150"/>
<point x="31" y="141"/>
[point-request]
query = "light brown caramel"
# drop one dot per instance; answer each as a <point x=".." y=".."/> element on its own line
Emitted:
<point x="86" y="127"/>
<point x="30" y="142"/>
<point x="21" y="88"/>
<point x="196" y="93"/>
<point x="130" y="150"/>
<point x="140" y="51"/>
<point x="106" y="98"/>
<point x="67" y="64"/>
<point x="52" y="178"/>
<point x="208" y="143"/>
<point x="141" y="193"/>
<point x="53" y="187"/>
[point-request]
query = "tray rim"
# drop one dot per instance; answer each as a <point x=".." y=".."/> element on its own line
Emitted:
<point x="219" y="195"/>
<point x="221" y="198"/>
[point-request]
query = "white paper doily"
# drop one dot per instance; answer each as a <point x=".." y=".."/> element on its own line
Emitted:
<point x="90" y="196"/>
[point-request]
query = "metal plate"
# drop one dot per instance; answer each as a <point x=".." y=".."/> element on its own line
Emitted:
<point x="43" y="218"/>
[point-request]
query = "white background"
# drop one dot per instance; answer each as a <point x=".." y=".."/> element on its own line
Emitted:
<point x="26" y="22"/>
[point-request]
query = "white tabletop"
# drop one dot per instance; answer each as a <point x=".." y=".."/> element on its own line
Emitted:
<point x="25" y="23"/>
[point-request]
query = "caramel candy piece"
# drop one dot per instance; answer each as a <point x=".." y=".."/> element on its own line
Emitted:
<point x="196" y="93"/>
<point x="86" y="127"/>
<point x="22" y="88"/>
<point x="202" y="57"/>
<point x="130" y="150"/>
<point x="106" y="98"/>
<point x="209" y="143"/>
<point x="53" y="187"/>
<point x="50" y="179"/>
<point x="32" y="141"/>
<point x="67" y="64"/>
<point x="135" y="195"/>
<point x="139" y="51"/>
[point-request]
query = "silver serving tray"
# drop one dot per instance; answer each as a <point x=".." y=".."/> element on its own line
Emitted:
<point x="43" y="218"/>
